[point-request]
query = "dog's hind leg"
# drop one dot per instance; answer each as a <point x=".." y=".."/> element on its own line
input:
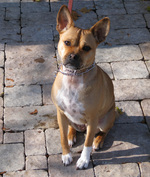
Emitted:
<point x="71" y="136"/>
<point x="99" y="140"/>
<point x="105" y="124"/>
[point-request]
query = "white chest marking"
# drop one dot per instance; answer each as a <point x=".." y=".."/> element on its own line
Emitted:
<point x="68" y="98"/>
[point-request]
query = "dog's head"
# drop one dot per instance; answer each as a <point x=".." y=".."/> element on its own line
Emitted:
<point x="77" y="46"/>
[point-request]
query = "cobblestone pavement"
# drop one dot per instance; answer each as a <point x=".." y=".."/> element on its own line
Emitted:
<point x="29" y="138"/>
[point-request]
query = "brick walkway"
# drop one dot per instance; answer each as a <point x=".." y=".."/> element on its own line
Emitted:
<point x="29" y="144"/>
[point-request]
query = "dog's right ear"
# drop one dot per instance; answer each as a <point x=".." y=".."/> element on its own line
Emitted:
<point x="64" y="19"/>
<point x="101" y="29"/>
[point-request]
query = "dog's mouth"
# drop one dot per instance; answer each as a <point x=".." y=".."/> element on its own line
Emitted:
<point x="73" y="62"/>
<point x="72" y="66"/>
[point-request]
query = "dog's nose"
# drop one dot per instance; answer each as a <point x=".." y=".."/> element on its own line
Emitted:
<point x="73" y="61"/>
<point x="73" y="56"/>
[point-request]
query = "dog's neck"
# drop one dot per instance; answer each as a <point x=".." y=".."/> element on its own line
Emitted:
<point x="78" y="72"/>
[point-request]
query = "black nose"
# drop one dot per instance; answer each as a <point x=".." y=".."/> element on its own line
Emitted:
<point x="73" y="56"/>
<point x="72" y="61"/>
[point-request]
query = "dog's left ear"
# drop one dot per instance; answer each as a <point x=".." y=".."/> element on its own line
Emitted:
<point x="101" y="29"/>
<point x="64" y="19"/>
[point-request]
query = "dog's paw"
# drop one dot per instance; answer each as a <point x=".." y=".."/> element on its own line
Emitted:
<point x="83" y="161"/>
<point x="67" y="159"/>
<point x="95" y="147"/>
<point x="71" y="142"/>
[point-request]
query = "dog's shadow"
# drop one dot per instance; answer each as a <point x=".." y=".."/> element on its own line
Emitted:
<point x="125" y="143"/>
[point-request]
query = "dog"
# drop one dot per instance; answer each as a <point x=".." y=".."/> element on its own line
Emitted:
<point x="82" y="92"/>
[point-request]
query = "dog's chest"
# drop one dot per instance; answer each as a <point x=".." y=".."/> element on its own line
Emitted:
<point x="68" y="99"/>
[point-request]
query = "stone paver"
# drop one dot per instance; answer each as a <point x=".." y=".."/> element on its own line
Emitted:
<point x="35" y="7"/>
<point x="23" y="96"/>
<point x="111" y="11"/>
<point x="7" y="3"/>
<point x="47" y="94"/>
<point x="137" y="7"/>
<point x="57" y="169"/>
<point x="53" y="141"/>
<point x="145" y="50"/>
<point x="53" y="135"/>
<point x="117" y="170"/>
<point x="125" y="21"/>
<point x="107" y="68"/>
<point x="13" y="137"/>
<point x="1" y="131"/>
<point x="1" y="108"/>
<point x="83" y="23"/>
<point x="28" y="61"/>
<point x="146" y="109"/>
<point x="27" y="173"/>
<point x="130" y="70"/>
<point x="34" y="142"/>
<point x="118" y="53"/>
<point x="147" y="17"/>
<point x="144" y="166"/>
<point x="133" y="89"/>
<point x="1" y="46"/>
<point x="37" y="33"/>
<point x="109" y="5"/>
<point x="125" y="143"/>
<point x="128" y="36"/>
<point x="18" y="118"/>
<point x="1" y="58"/>
<point x="11" y="35"/>
<point x="29" y="136"/>
<point x="77" y="5"/>
<point x="36" y="163"/>
<point x="12" y="14"/>
<point x="131" y="112"/>
<point x="12" y="157"/>
<point x="148" y="65"/>
<point x="38" y="18"/>
<point x="1" y="80"/>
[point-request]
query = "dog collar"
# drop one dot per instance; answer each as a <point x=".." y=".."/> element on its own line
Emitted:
<point x="78" y="72"/>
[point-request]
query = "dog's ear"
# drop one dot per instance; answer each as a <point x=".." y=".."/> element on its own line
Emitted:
<point x="101" y="29"/>
<point x="64" y="19"/>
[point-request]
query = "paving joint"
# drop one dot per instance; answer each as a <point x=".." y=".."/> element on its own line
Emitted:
<point x="139" y="169"/>
<point x="46" y="153"/>
<point x="124" y="6"/>
<point x="3" y="128"/>
<point x="5" y="15"/>
<point x="20" y="20"/>
<point x="94" y="175"/>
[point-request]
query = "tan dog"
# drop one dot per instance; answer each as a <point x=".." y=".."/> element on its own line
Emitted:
<point x="82" y="92"/>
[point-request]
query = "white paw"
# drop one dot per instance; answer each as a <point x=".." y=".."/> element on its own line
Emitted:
<point x="67" y="159"/>
<point x="83" y="161"/>
<point x="72" y="142"/>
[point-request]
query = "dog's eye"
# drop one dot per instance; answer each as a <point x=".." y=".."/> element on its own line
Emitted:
<point x="68" y="43"/>
<point x="86" y="48"/>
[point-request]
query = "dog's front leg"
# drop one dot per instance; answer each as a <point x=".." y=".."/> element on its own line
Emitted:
<point x="84" y="159"/>
<point x="63" y="126"/>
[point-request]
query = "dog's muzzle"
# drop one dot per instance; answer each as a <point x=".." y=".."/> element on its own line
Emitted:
<point x="73" y="61"/>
